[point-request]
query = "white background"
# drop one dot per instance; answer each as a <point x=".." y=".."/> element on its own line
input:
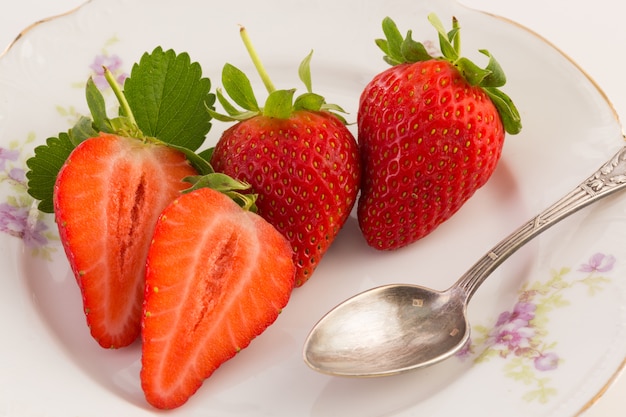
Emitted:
<point x="592" y="34"/>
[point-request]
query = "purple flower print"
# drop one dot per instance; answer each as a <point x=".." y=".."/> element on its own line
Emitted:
<point x="547" y="361"/>
<point x="519" y="334"/>
<point x="466" y="350"/>
<point x="18" y="175"/>
<point x="113" y="63"/>
<point x="33" y="236"/>
<point x="14" y="221"/>
<point x="522" y="314"/>
<point x="7" y="155"/>
<point x="513" y="329"/>
<point x="512" y="337"/>
<point x="598" y="263"/>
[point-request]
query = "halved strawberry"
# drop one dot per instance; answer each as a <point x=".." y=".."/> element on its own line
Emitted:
<point x="217" y="276"/>
<point x="107" y="199"/>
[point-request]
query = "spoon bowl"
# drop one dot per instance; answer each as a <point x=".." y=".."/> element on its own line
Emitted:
<point x="388" y="328"/>
<point x="396" y="328"/>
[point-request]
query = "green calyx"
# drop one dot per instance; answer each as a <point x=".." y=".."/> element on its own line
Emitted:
<point x="279" y="103"/>
<point x="399" y="50"/>
<point x="235" y="189"/>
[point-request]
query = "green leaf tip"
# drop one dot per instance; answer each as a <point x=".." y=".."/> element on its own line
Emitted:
<point x="43" y="168"/>
<point x="235" y="189"/>
<point x="399" y="49"/>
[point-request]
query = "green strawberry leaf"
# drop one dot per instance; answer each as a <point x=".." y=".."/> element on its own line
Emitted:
<point x="230" y="109"/>
<point x="43" y="169"/>
<point x="304" y="72"/>
<point x="496" y="77"/>
<point x="97" y="107"/>
<point x="509" y="114"/>
<point x="207" y="153"/>
<point x="414" y="51"/>
<point x="309" y="101"/>
<point x="279" y="104"/>
<point x="239" y="88"/>
<point x="196" y="160"/>
<point x="392" y="45"/>
<point x="474" y="74"/>
<point x="82" y="130"/>
<point x="167" y="95"/>
<point x="233" y="114"/>
<point x="225" y="184"/>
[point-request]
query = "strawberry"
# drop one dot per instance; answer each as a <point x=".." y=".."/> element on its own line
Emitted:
<point x="107" y="198"/>
<point x="431" y="132"/>
<point x="299" y="158"/>
<point x="217" y="276"/>
<point x="113" y="184"/>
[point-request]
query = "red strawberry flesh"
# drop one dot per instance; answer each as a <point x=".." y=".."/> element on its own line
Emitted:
<point x="217" y="276"/>
<point x="107" y="199"/>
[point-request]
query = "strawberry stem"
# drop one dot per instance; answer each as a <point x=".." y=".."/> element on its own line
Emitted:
<point x="269" y="86"/>
<point x="457" y="38"/>
<point x="121" y="98"/>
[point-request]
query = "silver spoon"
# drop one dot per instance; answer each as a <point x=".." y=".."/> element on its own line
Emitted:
<point x="396" y="328"/>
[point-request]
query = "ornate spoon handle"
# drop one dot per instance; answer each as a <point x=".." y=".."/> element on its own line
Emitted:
<point x="610" y="178"/>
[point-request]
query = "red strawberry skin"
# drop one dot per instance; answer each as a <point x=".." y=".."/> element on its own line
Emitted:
<point x="217" y="276"/>
<point x="107" y="199"/>
<point x="428" y="141"/>
<point x="306" y="171"/>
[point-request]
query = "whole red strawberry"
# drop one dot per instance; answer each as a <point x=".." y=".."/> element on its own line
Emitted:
<point x="299" y="158"/>
<point x="216" y="277"/>
<point x="430" y="131"/>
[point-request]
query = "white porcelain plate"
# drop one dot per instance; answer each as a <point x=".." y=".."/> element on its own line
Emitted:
<point x="549" y="328"/>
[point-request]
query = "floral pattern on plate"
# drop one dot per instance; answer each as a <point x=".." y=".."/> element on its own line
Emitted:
<point x="19" y="216"/>
<point x="521" y="336"/>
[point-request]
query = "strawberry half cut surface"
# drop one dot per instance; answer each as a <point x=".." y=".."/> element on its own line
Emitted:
<point x="217" y="276"/>
<point x="107" y="199"/>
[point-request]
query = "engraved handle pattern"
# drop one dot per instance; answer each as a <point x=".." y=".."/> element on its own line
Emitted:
<point x="610" y="178"/>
